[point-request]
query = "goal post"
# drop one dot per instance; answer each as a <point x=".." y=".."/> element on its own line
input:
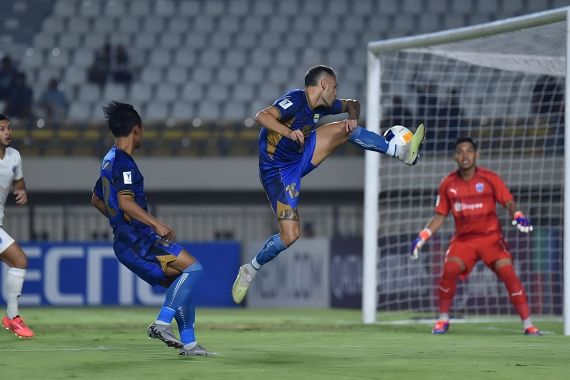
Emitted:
<point x="503" y="83"/>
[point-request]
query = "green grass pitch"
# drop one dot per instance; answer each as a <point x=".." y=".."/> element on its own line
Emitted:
<point x="111" y="343"/>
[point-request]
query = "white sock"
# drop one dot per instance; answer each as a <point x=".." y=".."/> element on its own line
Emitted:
<point x="444" y="317"/>
<point x="527" y="323"/>
<point x="14" y="283"/>
<point x="158" y="322"/>
<point x="190" y="346"/>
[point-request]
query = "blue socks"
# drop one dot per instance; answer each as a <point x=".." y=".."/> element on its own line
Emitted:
<point x="272" y="247"/>
<point x="371" y="141"/>
<point x="185" y="317"/>
<point x="178" y="295"/>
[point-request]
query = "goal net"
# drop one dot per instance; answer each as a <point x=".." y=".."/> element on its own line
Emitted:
<point x="502" y="84"/>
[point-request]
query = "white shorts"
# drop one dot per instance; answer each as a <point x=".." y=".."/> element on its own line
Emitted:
<point x="5" y="240"/>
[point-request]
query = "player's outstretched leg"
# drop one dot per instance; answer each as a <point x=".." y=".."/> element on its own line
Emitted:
<point x="271" y="248"/>
<point x="245" y="276"/>
<point x="411" y="151"/>
<point x="408" y="153"/>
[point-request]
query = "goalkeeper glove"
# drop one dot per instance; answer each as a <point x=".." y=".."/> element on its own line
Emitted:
<point x="522" y="223"/>
<point x="423" y="236"/>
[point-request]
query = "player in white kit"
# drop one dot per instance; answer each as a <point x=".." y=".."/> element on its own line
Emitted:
<point x="12" y="179"/>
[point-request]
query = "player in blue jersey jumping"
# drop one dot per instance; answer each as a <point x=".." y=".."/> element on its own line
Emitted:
<point x="290" y="147"/>
<point x="143" y="243"/>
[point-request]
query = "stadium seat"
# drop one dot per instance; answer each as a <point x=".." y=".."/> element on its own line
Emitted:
<point x="141" y="8"/>
<point x="103" y="25"/>
<point x="78" y="26"/>
<point x="64" y="8"/>
<point x="140" y="92"/>
<point x="53" y="25"/>
<point x="156" y="112"/>
<point x="176" y="75"/>
<point x="74" y="76"/>
<point x="196" y="41"/>
<point x="178" y="24"/>
<point x="166" y="92"/>
<point x="228" y="75"/>
<point x="89" y="8"/>
<point x="94" y="41"/>
<point x="235" y="111"/>
<point x="235" y="58"/>
<point x="160" y="58"/>
<point x="89" y="93"/>
<point x="34" y="59"/>
<point x="246" y="40"/>
<point x="209" y="111"/>
<point x="192" y="92"/>
<point x="185" y="58"/>
<point x="221" y="41"/>
<point x="189" y="8"/>
<point x="114" y="91"/>
<point x="145" y="41"/>
<point x="45" y="41"/>
<point x="217" y="93"/>
<point x="170" y="40"/>
<point x="264" y="8"/>
<point x="79" y="112"/>
<point x="236" y="8"/>
<point x="315" y="8"/>
<point x="165" y="8"/>
<point x="205" y="24"/>
<point x="214" y="8"/>
<point x="82" y="58"/>
<point x="202" y="75"/>
<point x="182" y="111"/>
<point x="151" y="75"/>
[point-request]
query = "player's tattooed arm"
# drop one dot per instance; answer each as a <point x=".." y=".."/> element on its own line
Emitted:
<point x="353" y="109"/>
<point x="269" y="118"/>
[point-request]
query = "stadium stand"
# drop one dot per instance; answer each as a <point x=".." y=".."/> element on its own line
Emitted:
<point x="214" y="62"/>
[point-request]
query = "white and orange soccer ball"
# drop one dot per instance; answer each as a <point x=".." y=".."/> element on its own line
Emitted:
<point x="398" y="134"/>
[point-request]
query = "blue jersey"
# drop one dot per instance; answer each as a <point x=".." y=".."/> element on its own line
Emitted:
<point x="296" y="113"/>
<point x="135" y="244"/>
<point x="120" y="175"/>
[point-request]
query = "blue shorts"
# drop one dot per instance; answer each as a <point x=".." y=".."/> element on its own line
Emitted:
<point x="282" y="180"/>
<point x="148" y="258"/>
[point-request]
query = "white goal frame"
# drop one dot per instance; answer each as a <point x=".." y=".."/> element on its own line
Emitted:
<point x="372" y="160"/>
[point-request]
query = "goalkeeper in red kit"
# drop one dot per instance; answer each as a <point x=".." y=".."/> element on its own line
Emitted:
<point x="470" y="193"/>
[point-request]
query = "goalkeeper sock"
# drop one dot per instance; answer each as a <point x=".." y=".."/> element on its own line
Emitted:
<point x="516" y="291"/>
<point x="447" y="285"/>
<point x="14" y="284"/>
<point x="180" y="292"/>
<point x="372" y="141"/>
<point x="272" y="247"/>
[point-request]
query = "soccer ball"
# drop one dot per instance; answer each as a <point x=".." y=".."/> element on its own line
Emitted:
<point x="398" y="134"/>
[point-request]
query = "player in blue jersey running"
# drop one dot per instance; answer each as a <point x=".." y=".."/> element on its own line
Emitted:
<point x="143" y="243"/>
<point x="290" y="147"/>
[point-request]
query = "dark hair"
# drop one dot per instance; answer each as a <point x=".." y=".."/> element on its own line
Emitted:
<point x="2" y="117"/>
<point x="121" y="117"/>
<point x="314" y="74"/>
<point x="467" y="139"/>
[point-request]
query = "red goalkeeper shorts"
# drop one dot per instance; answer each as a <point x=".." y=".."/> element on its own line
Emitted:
<point x="488" y="249"/>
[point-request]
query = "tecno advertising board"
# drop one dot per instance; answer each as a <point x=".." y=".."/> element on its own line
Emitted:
<point x="89" y="275"/>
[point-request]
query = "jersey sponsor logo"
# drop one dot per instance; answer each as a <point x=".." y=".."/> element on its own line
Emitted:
<point x="316" y="117"/>
<point x="458" y="206"/>
<point x="285" y="103"/>
<point x="127" y="178"/>
<point x="14" y="168"/>
<point x="479" y="187"/>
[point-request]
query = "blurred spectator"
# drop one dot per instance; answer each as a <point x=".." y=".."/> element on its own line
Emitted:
<point x="308" y="230"/>
<point x="450" y="118"/>
<point x="99" y="71"/>
<point x="7" y="77"/>
<point x="53" y="103"/>
<point x="397" y="114"/>
<point x="19" y="103"/>
<point x="121" y="66"/>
